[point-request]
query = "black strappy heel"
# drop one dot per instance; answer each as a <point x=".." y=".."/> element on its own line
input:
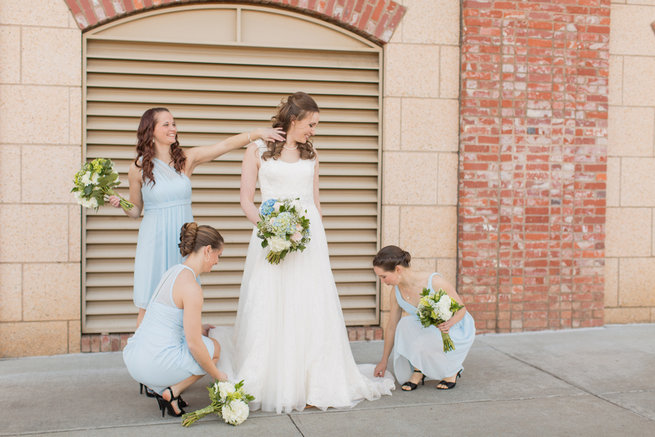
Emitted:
<point x="148" y="390"/>
<point x="167" y="406"/>
<point x="449" y="384"/>
<point x="411" y="385"/>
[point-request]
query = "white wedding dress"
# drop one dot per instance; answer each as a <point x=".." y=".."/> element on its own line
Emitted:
<point x="290" y="339"/>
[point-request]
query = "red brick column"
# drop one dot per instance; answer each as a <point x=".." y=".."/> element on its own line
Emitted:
<point x="374" y="19"/>
<point x="532" y="165"/>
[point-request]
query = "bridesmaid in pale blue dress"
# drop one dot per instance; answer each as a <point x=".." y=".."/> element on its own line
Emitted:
<point x="160" y="186"/>
<point x="170" y="350"/>
<point x="417" y="351"/>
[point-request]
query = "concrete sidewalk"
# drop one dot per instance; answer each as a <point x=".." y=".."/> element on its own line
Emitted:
<point x="586" y="382"/>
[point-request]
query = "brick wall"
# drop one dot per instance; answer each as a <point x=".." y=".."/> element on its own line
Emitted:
<point x="532" y="170"/>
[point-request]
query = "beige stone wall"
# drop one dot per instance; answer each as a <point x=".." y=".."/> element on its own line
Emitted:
<point x="630" y="239"/>
<point x="40" y="148"/>
<point x="421" y="135"/>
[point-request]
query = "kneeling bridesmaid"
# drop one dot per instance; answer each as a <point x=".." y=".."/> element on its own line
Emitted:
<point x="417" y="351"/>
<point x="170" y="350"/>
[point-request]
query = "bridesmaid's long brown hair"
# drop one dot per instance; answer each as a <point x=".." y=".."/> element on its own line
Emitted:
<point x="145" y="146"/>
<point x="296" y="107"/>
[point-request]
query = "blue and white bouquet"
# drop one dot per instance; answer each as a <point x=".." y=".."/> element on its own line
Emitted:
<point x="435" y="308"/>
<point x="282" y="227"/>
<point x="228" y="400"/>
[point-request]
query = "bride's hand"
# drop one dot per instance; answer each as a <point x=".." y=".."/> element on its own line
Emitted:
<point x="222" y="376"/>
<point x="270" y="134"/>
<point x="380" y="369"/>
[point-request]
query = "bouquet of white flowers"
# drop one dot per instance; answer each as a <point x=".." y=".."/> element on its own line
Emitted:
<point x="435" y="308"/>
<point x="228" y="401"/>
<point x="282" y="227"/>
<point x="95" y="181"/>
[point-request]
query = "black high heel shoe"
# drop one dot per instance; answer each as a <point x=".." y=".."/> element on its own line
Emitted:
<point x="411" y="385"/>
<point x="448" y="384"/>
<point x="149" y="392"/>
<point x="167" y="406"/>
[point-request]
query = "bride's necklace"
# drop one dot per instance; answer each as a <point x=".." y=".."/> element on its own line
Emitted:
<point x="290" y="148"/>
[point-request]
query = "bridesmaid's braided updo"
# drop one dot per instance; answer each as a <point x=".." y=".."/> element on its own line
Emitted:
<point x="194" y="237"/>
<point x="391" y="256"/>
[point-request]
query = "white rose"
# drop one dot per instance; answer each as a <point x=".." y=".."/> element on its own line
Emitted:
<point x="89" y="203"/>
<point x="86" y="179"/>
<point x="296" y="204"/>
<point x="278" y="244"/>
<point x="224" y="389"/>
<point x="443" y="307"/>
<point x="94" y="178"/>
<point x="236" y="412"/>
<point x="276" y="207"/>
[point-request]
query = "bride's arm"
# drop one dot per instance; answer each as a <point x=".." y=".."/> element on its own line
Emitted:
<point x="249" y="170"/>
<point x="317" y="200"/>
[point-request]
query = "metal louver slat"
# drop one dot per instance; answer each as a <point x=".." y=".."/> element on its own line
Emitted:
<point x="159" y="68"/>
<point x="214" y="91"/>
<point x="225" y="54"/>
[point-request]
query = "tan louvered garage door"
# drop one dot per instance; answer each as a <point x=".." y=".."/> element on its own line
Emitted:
<point x="222" y="70"/>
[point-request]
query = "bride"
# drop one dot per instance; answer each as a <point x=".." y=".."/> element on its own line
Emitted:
<point x="291" y="343"/>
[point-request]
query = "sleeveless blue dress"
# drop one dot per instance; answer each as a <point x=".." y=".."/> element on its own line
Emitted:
<point x="158" y="355"/>
<point x="416" y="346"/>
<point x="166" y="207"/>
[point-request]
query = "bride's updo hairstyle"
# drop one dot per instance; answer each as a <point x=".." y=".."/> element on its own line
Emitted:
<point x="391" y="256"/>
<point x="194" y="237"/>
<point x="295" y="107"/>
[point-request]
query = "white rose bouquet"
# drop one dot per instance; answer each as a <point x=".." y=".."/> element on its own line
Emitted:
<point x="228" y="401"/>
<point x="94" y="182"/>
<point x="282" y="227"/>
<point x="435" y="308"/>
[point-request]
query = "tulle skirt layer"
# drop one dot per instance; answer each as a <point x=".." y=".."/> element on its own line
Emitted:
<point x="290" y="341"/>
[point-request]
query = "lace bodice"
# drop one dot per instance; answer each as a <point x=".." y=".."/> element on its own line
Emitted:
<point x="286" y="180"/>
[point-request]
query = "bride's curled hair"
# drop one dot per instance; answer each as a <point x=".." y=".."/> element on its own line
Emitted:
<point x="295" y="107"/>
<point x="391" y="256"/>
<point x="194" y="237"/>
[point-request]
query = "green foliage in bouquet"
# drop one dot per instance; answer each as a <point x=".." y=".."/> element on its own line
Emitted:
<point x="94" y="182"/>
<point x="435" y="308"/>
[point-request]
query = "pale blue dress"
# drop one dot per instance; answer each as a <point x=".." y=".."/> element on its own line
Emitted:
<point x="166" y="207"/>
<point x="422" y="348"/>
<point x="157" y="355"/>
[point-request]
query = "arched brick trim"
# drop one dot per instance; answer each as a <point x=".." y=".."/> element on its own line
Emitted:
<point x="374" y="19"/>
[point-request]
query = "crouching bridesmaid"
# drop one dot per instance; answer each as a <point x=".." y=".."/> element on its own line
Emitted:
<point x="417" y="351"/>
<point x="170" y="350"/>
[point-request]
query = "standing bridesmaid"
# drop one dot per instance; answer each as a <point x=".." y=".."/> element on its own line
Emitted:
<point x="160" y="186"/>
